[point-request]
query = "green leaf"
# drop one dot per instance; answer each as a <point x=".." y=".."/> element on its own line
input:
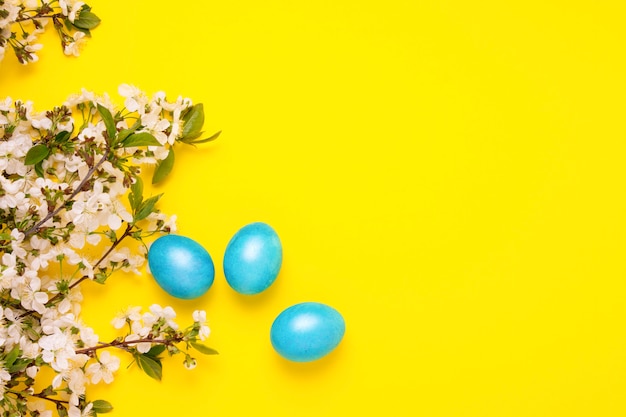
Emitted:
<point x="135" y="196"/>
<point x="209" y="139"/>
<point x="12" y="356"/>
<point x="124" y="133"/>
<point x="107" y="118"/>
<point x="140" y="139"/>
<point x="193" y="121"/>
<point x="100" y="277"/>
<point x="146" y="207"/>
<point x="61" y="410"/>
<point x="155" y="351"/>
<point x="39" y="169"/>
<point x="203" y="348"/>
<point x="36" y="154"/>
<point x="86" y="20"/>
<point x="62" y="137"/>
<point x="164" y="167"/>
<point x="151" y="366"/>
<point x="19" y="365"/>
<point x="102" y="406"/>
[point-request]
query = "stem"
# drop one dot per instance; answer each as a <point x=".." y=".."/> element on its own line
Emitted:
<point x="34" y="229"/>
<point x="21" y="394"/>
<point x="125" y="344"/>
<point x="127" y="232"/>
<point x="115" y="244"/>
<point x="43" y="397"/>
<point x="50" y="16"/>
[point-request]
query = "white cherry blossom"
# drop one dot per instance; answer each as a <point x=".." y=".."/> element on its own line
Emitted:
<point x="103" y="369"/>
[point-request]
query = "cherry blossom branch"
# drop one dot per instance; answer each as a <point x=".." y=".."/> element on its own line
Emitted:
<point x="34" y="229"/>
<point x="20" y="394"/>
<point x="49" y="16"/>
<point x="126" y="343"/>
<point x="127" y="232"/>
<point x="115" y="244"/>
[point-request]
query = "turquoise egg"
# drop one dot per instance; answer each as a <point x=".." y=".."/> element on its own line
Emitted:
<point x="252" y="258"/>
<point x="307" y="331"/>
<point x="181" y="266"/>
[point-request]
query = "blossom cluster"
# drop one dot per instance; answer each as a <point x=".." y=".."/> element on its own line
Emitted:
<point x="72" y="209"/>
<point x="22" y="21"/>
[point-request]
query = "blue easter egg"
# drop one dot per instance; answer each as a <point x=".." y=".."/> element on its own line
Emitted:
<point x="181" y="266"/>
<point x="252" y="258"/>
<point x="307" y="331"/>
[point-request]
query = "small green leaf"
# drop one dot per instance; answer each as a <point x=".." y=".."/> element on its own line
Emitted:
<point x="203" y="348"/>
<point x="62" y="137"/>
<point x="193" y="121"/>
<point x="140" y="139"/>
<point x="36" y="154"/>
<point x="12" y="356"/>
<point x="19" y="365"/>
<point x="124" y="133"/>
<point x="209" y="139"/>
<point x="107" y="118"/>
<point x="164" y="167"/>
<point x="146" y="207"/>
<point x="151" y="366"/>
<point x="39" y="169"/>
<point x="100" y="277"/>
<point x="61" y="410"/>
<point x="155" y="351"/>
<point x="135" y="197"/>
<point x="102" y="406"/>
<point x="86" y="20"/>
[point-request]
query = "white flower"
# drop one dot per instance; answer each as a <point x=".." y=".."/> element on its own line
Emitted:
<point x="41" y="122"/>
<point x="85" y="96"/>
<point x="40" y="407"/>
<point x="75" y="10"/>
<point x="5" y="377"/>
<point x="82" y="234"/>
<point x="131" y="313"/>
<point x="32" y="371"/>
<point x="26" y="288"/>
<point x="14" y="329"/>
<point x="105" y="367"/>
<point x="74" y="47"/>
<point x="11" y="9"/>
<point x="30" y="349"/>
<point x="74" y="411"/>
<point x="69" y="8"/>
<point x="118" y="215"/>
<point x="155" y="125"/>
<point x="135" y="99"/>
<point x="31" y="49"/>
<point x="142" y="347"/>
<point x="199" y="316"/>
<point x="166" y="313"/>
<point x="88" y="336"/>
<point x="58" y="348"/>
<point x="74" y="376"/>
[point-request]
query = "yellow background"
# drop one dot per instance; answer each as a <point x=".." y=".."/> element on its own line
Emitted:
<point x="447" y="174"/>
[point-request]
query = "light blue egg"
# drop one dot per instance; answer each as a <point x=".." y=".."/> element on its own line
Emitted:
<point x="181" y="266"/>
<point x="252" y="258"/>
<point x="307" y="331"/>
